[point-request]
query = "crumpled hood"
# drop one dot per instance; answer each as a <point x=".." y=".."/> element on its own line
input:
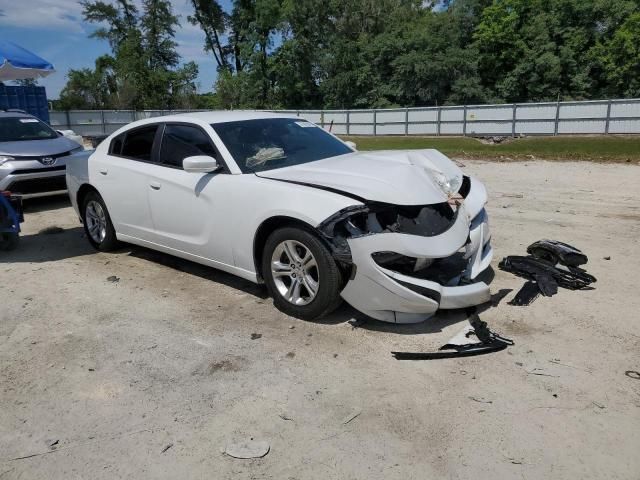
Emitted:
<point x="406" y="177"/>
<point x="37" y="148"/>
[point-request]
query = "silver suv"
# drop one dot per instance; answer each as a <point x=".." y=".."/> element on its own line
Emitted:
<point x="32" y="155"/>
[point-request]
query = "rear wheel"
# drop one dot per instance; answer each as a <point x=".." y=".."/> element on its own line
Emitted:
<point x="300" y="274"/>
<point x="97" y="223"/>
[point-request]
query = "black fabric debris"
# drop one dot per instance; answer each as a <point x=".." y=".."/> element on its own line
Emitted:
<point x="557" y="252"/>
<point x="489" y="342"/>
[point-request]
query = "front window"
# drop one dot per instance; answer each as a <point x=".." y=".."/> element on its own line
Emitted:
<point x="17" y="129"/>
<point x="266" y="144"/>
<point x="182" y="141"/>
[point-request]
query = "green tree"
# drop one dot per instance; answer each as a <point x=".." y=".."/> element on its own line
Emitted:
<point x="142" y="71"/>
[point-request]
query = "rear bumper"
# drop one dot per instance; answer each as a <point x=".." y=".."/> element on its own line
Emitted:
<point x="388" y="295"/>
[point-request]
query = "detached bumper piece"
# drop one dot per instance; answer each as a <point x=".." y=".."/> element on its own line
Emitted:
<point x="460" y="345"/>
<point x="551" y="265"/>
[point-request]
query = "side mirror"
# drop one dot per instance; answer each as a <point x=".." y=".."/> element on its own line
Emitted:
<point x="351" y="144"/>
<point x="200" y="164"/>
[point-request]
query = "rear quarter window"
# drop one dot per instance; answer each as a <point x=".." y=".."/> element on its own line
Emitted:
<point x="138" y="143"/>
<point x="116" y="145"/>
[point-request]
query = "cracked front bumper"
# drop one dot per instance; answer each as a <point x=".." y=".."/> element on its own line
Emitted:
<point x="388" y="295"/>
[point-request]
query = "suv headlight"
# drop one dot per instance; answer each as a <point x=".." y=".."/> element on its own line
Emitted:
<point x="4" y="159"/>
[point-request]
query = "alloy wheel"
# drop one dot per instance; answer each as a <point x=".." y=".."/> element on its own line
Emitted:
<point x="96" y="221"/>
<point x="295" y="272"/>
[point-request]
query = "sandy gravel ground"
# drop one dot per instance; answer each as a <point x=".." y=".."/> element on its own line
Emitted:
<point x="151" y="376"/>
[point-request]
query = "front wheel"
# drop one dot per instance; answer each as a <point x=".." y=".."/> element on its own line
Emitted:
<point x="300" y="274"/>
<point x="97" y="223"/>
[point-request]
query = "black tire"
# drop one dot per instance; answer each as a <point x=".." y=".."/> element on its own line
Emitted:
<point x="9" y="241"/>
<point x="110" y="242"/>
<point x="330" y="280"/>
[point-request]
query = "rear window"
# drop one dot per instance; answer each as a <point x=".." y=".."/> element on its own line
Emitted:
<point x="17" y="129"/>
<point x="116" y="145"/>
<point x="138" y="143"/>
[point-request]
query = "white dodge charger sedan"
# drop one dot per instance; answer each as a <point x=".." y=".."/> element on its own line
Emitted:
<point x="276" y="199"/>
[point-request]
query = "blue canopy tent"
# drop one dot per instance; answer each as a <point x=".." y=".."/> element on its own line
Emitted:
<point x="16" y="63"/>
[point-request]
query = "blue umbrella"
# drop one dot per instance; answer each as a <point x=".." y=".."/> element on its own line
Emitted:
<point x="17" y="63"/>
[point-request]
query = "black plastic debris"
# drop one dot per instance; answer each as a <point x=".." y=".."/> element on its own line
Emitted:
<point x="488" y="342"/>
<point x="526" y="295"/>
<point x="557" y="252"/>
<point x="551" y="264"/>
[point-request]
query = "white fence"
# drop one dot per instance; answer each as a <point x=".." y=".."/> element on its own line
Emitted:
<point x="556" y="118"/>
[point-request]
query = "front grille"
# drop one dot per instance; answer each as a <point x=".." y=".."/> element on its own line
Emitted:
<point x="440" y="270"/>
<point x="38" y="185"/>
<point x="38" y="170"/>
<point x="40" y="157"/>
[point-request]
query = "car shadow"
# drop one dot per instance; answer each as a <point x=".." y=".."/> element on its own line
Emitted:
<point x="49" y="245"/>
<point x="43" y="204"/>
<point x="202" y="271"/>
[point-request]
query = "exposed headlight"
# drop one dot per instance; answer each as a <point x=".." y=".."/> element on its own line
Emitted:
<point x="4" y="159"/>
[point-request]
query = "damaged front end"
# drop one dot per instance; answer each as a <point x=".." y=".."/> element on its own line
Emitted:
<point x="406" y="262"/>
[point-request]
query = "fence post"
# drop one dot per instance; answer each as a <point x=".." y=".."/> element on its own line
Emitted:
<point x="322" y="118"/>
<point x="606" y="125"/>
<point x="68" y="119"/>
<point x="464" y="122"/>
<point x="104" y="125"/>
<point x="406" y="121"/>
<point x="439" y="117"/>
<point x="555" y="128"/>
<point x="513" y="121"/>
<point x="375" y="122"/>
<point x="348" y="121"/>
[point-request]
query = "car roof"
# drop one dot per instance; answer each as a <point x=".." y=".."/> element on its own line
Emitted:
<point x="210" y="117"/>
<point x="21" y="114"/>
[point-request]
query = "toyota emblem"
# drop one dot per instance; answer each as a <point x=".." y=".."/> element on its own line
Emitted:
<point x="48" y="161"/>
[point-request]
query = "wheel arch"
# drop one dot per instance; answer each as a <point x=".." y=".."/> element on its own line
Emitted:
<point x="266" y="228"/>
<point x="84" y="189"/>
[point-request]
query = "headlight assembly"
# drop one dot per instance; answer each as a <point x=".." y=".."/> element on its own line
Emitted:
<point x="4" y="159"/>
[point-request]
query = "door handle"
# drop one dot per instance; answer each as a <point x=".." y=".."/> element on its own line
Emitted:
<point x="155" y="185"/>
<point x="104" y="171"/>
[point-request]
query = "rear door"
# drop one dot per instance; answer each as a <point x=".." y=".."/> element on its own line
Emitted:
<point x="121" y="177"/>
<point x="188" y="208"/>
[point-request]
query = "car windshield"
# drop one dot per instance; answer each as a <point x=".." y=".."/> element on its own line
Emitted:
<point x="16" y="129"/>
<point x="269" y="143"/>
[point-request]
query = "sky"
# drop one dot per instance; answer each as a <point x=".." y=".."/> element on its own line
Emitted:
<point x="54" y="30"/>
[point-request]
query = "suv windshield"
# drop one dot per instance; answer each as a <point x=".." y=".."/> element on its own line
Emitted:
<point x="16" y="129"/>
<point x="265" y="144"/>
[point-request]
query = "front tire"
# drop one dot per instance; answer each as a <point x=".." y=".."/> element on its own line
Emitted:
<point x="97" y="223"/>
<point x="300" y="274"/>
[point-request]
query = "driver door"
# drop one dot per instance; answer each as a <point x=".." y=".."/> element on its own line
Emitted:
<point x="188" y="208"/>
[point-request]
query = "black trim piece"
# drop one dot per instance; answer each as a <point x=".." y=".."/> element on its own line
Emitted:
<point x="424" y="291"/>
<point x="38" y="170"/>
<point x="319" y="187"/>
<point x="465" y="188"/>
